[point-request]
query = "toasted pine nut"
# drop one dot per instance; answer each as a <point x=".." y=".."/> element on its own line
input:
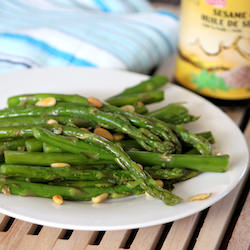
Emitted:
<point x="129" y="108"/>
<point x="52" y="122"/>
<point x="100" y="198"/>
<point x="58" y="131"/>
<point x="217" y="152"/>
<point x="139" y="104"/>
<point x="21" y="148"/>
<point x="58" y="199"/>
<point x="17" y="132"/>
<point x="46" y="102"/>
<point x="160" y="183"/>
<point x="139" y="165"/>
<point x="167" y="158"/>
<point x="6" y="190"/>
<point x="104" y="133"/>
<point x="59" y="165"/>
<point x="118" y="137"/>
<point x="95" y="102"/>
<point x="199" y="197"/>
<point x="148" y="195"/>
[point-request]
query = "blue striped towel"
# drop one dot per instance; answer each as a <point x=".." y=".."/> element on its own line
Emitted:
<point x="121" y="34"/>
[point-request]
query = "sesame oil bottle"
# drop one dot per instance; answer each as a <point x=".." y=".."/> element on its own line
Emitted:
<point x="214" y="48"/>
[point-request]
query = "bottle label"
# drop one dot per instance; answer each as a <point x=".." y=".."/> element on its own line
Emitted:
<point x="214" y="48"/>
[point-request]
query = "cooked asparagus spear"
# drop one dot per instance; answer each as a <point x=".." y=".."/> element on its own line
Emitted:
<point x="22" y="100"/>
<point x="64" y="173"/>
<point x="82" y="184"/>
<point x="45" y="159"/>
<point x="202" y="163"/>
<point x="153" y="83"/>
<point x="146" y="98"/>
<point x="70" y="173"/>
<point x="16" y="144"/>
<point x="41" y="120"/>
<point x="14" y="132"/>
<point x="12" y="144"/>
<point x="23" y="188"/>
<point x="173" y="113"/>
<point x="48" y="148"/>
<point x="33" y="145"/>
<point x="200" y="143"/>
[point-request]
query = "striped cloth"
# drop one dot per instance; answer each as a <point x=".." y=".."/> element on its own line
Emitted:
<point x="121" y="34"/>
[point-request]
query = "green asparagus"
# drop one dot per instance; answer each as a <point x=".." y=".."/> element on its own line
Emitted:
<point x="23" y="188"/>
<point x="48" y="148"/>
<point x="22" y="100"/>
<point x="11" y="144"/>
<point x="123" y="160"/>
<point x="33" y="145"/>
<point x="197" y="141"/>
<point x="115" y="176"/>
<point x="202" y="163"/>
<point x="45" y="159"/>
<point x="149" y="85"/>
<point x="13" y="132"/>
<point x="41" y="120"/>
<point x="146" y="98"/>
<point x="91" y="164"/>
<point x="174" y="113"/>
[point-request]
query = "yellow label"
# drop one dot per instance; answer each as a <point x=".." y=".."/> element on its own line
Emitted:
<point x="214" y="48"/>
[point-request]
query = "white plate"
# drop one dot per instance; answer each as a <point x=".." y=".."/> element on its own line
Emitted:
<point x="135" y="211"/>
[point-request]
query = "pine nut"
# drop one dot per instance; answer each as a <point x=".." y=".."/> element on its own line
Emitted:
<point x="6" y="190"/>
<point x="46" y="102"/>
<point x="95" y="102"/>
<point x="52" y="122"/>
<point x="159" y="183"/>
<point x="118" y="137"/>
<point x="58" y="199"/>
<point x="100" y="198"/>
<point x="21" y="148"/>
<point x="59" y="165"/>
<point x="104" y="133"/>
<point x="217" y="152"/>
<point x="139" y="104"/>
<point x="58" y="131"/>
<point x="17" y="132"/>
<point x="129" y="108"/>
<point x="148" y="195"/>
<point x="167" y="158"/>
<point x="139" y="165"/>
<point x="199" y="197"/>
